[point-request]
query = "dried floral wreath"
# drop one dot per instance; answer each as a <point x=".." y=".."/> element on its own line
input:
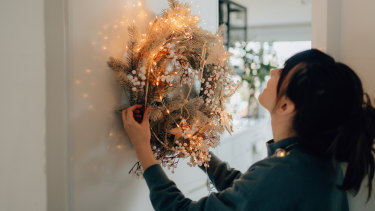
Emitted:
<point x="182" y="72"/>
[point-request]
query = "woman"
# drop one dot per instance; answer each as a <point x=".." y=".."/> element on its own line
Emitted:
<point x="319" y="115"/>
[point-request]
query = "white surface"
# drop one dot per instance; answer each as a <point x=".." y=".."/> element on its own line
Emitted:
<point x="22" y="107"/>
<point x="274" y="12"/>
<point x="100" y="152"/>
<point x="247" y="144"/>
<point x="356" y="49"/>
<point x="357" y="42"/>
<point x="346" y="30"/>
<point x="278" y="20"/>
<point x="56" y="111"/>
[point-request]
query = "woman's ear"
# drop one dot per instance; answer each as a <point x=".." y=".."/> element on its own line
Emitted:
<point x="285" y="106"/>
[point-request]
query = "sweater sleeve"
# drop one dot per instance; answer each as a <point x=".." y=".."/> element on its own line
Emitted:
<point x="219" y="172"/>
<point x="165" y="195"/>
<point x="275" y="183"/>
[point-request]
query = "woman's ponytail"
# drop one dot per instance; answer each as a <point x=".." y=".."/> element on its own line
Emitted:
<point x="334" y="118"/>
<point x="360" y="158"/>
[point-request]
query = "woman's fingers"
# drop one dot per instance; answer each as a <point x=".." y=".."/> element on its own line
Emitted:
<point x="134" y="107"/>
<point x="146" y="116"/>
<point x="147" y="113"/>
<point x="125" y="120"/>
<point x="134" y="113"/>
<point x="137" y="116"/>
<point x="129" y="115"/>
<point x="123" y="114"/>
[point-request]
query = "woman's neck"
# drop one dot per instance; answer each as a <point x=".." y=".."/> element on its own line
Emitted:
<point x="281" y="129"/>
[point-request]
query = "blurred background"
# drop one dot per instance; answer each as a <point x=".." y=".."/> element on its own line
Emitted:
<point x="61" y="145"/>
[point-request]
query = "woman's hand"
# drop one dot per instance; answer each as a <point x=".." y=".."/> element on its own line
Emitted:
<point x="139" y="134"/>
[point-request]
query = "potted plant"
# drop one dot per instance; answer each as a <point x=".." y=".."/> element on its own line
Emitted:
<point x="257" y="60"/>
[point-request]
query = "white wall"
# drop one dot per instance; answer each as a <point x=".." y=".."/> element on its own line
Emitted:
<point x="345" y="29"/>
<point x="22" y="107"/>
<point x="357" y="39"/>
<point x="278" y="20"/>
<point x="100" y="153"/>
<point x="275" y="12"/>
<point x="356" y="49"/>
<point x="56" y="93"/>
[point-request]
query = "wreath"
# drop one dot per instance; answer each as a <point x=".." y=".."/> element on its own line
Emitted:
<point x="182" y="72"/>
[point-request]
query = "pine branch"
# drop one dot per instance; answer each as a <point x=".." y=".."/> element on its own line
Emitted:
<point x="173" y="3"/>
<point x="132" y="56"/>
<point x="118" y="65"/>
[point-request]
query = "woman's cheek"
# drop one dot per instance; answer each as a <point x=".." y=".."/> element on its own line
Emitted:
<point x="260" y="98"/>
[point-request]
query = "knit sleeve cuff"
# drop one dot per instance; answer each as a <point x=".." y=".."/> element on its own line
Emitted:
<point x="154" y="175"/>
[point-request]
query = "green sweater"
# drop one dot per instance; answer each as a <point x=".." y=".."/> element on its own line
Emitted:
<point x="296" y="181"/>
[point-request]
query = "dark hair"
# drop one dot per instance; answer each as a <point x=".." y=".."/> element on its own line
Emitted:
<point x="334" y="117"/>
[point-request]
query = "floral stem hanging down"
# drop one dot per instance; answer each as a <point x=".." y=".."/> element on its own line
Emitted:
<point x="182" y="72"/>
